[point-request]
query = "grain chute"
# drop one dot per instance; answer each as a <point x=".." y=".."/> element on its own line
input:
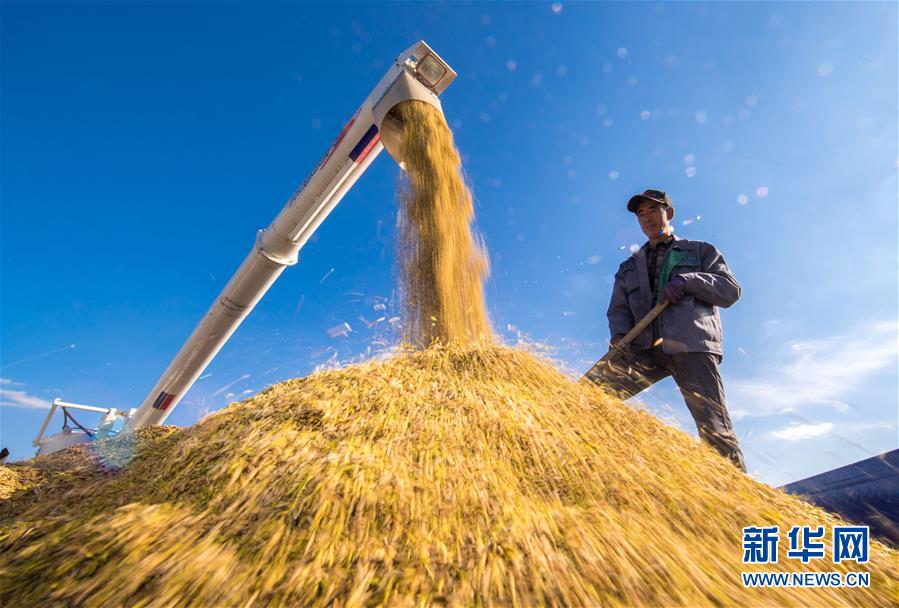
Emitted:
<point x="418" y="73"/>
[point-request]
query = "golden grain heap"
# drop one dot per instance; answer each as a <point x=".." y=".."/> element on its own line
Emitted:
<point x="461" y="474"/>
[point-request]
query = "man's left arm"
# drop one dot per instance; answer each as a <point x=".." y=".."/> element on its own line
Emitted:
<point x="714" y="284"/>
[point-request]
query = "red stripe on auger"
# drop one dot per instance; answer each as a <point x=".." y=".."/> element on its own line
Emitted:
<point x="163" y="401"/>
<point x="343" y="132"/>
<point x="368" y="148"/>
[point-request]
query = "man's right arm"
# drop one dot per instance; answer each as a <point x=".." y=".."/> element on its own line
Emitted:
<point x="621" y="320"/>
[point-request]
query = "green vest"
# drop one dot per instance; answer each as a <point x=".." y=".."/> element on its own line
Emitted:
<point x="672" y="259"/>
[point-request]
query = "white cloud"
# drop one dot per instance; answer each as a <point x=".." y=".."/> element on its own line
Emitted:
<point x="22" y="399"/>
<point x="798" y="432"/>
<point x="229" y="385"/>
<point x="818" y="372"/>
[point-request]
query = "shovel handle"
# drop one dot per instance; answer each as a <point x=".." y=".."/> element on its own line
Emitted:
<point x="633" y="333"/>
<point x="641" y="325"/>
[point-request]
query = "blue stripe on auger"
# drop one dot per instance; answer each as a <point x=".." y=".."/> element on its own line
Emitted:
<point x="364" y="143"/>
<point x="163" y="401"/>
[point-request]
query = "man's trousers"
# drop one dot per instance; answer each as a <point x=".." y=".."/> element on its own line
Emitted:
<point x="697" y="376"/>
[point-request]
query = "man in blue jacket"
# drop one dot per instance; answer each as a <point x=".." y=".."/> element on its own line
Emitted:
<point x="685" y="340"/>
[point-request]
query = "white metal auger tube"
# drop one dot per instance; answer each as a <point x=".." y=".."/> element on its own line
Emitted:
<point x="416" y="74"/>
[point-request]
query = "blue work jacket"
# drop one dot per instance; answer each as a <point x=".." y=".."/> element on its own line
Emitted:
<point x="691" y="325"/>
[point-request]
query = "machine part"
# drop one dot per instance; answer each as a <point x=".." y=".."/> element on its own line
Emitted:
<point x="419" y="74"/>
<point x="69" y="436"/>
<point x="424" y="68"/>
<point x="67" y="418"/>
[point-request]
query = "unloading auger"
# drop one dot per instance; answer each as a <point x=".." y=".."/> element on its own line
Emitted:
<point x="418" y="73"/>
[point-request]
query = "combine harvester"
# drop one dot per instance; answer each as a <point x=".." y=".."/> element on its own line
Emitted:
<point x="417" y="74"/>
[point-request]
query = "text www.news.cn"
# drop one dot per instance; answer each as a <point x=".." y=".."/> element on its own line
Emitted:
<point x="806" y="579"/>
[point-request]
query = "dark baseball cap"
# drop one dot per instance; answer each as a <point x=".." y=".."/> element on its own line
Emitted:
<point x="650" y="196"/>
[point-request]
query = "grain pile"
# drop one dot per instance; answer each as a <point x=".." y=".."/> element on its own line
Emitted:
<point x="442" y="263"/>
<point x="460" y="474"/>
<point x="452" y="475"/>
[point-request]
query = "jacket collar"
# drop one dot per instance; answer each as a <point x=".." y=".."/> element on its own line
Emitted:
<point x="674" y="243"/>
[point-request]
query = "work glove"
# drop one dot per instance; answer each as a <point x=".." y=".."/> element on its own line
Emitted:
<point x="675" y="289"/>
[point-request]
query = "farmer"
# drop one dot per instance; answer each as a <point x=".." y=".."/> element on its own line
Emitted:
<point x="684" y="341"/>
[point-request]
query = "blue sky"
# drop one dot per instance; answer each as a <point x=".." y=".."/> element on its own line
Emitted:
<point x="143" y="144"/>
